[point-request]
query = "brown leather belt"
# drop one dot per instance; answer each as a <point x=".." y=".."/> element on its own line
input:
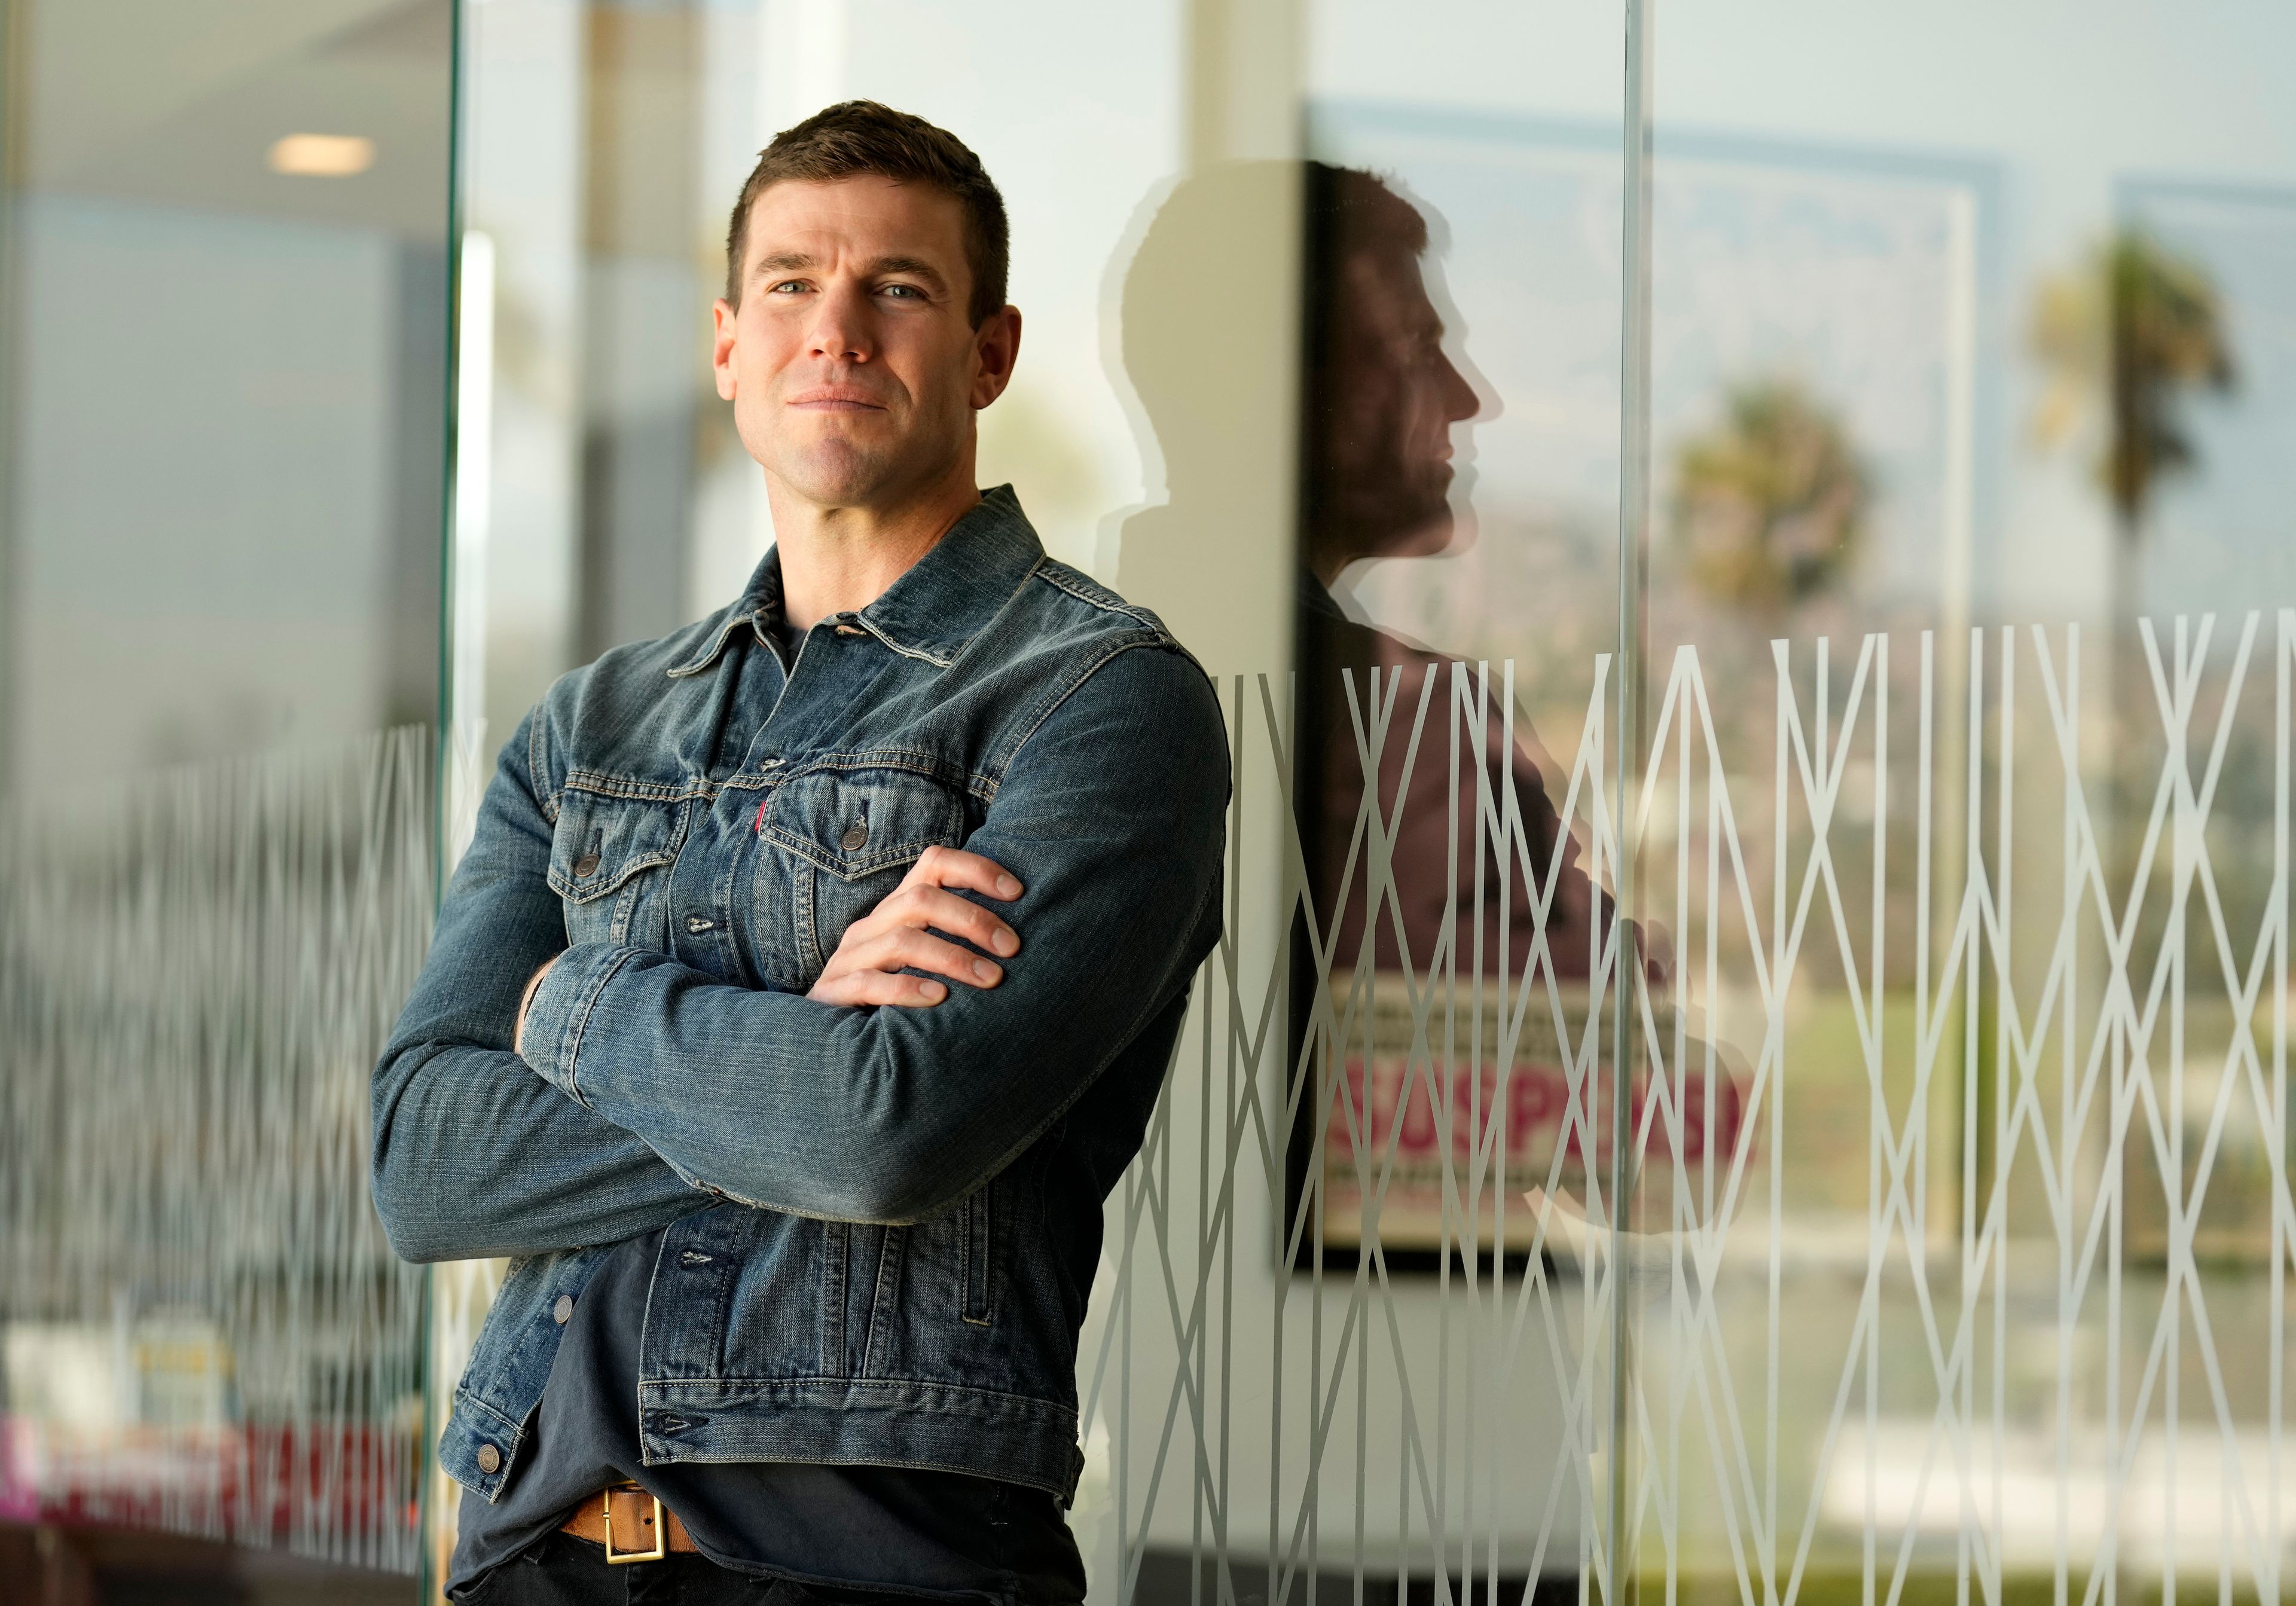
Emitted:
<point x="633" y="1525"/>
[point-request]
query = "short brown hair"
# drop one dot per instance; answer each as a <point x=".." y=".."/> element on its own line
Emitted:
<point x="857" y="137"/>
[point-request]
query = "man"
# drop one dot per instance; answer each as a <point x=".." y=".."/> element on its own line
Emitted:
<point x="811" y="976"/>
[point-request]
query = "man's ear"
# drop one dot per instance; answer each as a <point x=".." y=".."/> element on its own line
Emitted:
<point x="721" y="345"/>
<point x="996" y="348"/>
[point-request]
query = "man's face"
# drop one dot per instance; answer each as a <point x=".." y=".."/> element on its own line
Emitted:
<point x="1393" y="395"/>
<point x="852" y="365"/>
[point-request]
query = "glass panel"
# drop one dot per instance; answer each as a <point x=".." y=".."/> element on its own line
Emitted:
<point x="223" y="404"/>
<point x="1966" y="802"/>
<point x="206" y="1332"/>
<point x="1327" y="1354"/>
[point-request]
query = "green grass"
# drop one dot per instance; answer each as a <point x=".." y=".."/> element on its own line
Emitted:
<point x="1934" y="1588"/>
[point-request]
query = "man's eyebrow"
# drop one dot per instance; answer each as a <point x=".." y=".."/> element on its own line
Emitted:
<point x="915" y="267"/>
<point x="791" y="262"/>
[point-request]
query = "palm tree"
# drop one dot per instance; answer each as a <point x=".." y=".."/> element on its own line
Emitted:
<point x="2140" y="326"/>
<point x="1769" y="505"/>
<point x="2144" y="326"/>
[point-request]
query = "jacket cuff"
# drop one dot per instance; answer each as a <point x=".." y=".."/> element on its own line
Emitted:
<point x="561" y="1009"/>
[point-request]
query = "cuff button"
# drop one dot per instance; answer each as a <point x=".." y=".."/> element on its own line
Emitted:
<point x="490" y="1458"/>
<point x="562" y="1309"/>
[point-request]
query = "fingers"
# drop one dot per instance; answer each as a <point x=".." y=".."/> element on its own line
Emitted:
<point x="871" y="970"/>
<point x="922" y="906"/>
<point x="851" y="988"/>
<point x="906" y="947"/>
<point x="939" y="866"/>
<point x="909" y="931"/>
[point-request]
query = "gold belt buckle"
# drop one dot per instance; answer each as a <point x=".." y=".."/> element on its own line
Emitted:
<point x="661" y="1530"/>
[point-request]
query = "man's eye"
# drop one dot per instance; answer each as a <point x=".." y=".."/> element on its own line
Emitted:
<point x="788" y="284"/>
<point x="906" y="291"/>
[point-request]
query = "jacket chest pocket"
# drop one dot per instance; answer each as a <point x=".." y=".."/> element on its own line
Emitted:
<point x="847" y="839"/>
<point x="603" y="853"/>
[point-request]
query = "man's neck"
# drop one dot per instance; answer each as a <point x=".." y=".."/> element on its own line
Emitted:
<point x="839" y="559"/>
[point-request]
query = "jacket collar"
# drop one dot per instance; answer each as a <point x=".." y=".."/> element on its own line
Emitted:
<point x="932" y="612"/>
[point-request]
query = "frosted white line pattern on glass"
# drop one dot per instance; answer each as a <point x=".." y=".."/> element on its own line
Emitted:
<point x="1956" y="1251"/>
<point x="205" y="1330"/>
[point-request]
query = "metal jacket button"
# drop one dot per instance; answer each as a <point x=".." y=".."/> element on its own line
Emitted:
<point x="588" y="865"/>
<point x="856" y="838"/>
<point x="490" y="1458"/>
<point x="562" y="1309"/>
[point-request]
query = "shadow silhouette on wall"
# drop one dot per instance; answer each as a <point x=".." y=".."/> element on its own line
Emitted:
<point x="1380" y="395"/>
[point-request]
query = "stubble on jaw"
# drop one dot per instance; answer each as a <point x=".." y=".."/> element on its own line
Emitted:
<point x="834" y="469"/>
<point x="837" y="470"/>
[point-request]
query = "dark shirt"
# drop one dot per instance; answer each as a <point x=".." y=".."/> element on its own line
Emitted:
<point x="853" y="1525"/>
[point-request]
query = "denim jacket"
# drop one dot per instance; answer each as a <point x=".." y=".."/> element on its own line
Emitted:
<point x="883" y="1222"/>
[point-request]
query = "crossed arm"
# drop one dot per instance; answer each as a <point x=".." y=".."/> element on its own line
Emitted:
<point x="879" y="959"/>
<point x="628" y="1089"/>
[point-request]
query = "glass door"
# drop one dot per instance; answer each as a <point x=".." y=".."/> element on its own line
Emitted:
<point x="223" y="338"/>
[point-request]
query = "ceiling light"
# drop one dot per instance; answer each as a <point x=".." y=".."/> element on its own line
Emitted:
<point x="322" y="155"/>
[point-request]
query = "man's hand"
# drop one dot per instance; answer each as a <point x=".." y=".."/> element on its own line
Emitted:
<point x="898" y="935"/>
<point x="526" y="1001"/>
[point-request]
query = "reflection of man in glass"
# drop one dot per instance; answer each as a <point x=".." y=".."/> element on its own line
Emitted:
<point x="1432" y="851"/>
<point x="1380" y="401"/>
<point x="1477" y="859"/>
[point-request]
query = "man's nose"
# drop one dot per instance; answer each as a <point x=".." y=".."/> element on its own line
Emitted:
<point x="1462" y="399"/>
<point x="840" y="325"/>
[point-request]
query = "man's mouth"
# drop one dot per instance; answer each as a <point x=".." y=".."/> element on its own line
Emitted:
<point x="836" y="398"/>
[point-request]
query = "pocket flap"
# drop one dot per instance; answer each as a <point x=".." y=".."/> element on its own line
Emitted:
<point x="601" y="843"/>
<point x="857" y="823"/>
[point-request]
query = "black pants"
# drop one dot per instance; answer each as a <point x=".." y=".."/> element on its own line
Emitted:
<point x="561" y="1570"/>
